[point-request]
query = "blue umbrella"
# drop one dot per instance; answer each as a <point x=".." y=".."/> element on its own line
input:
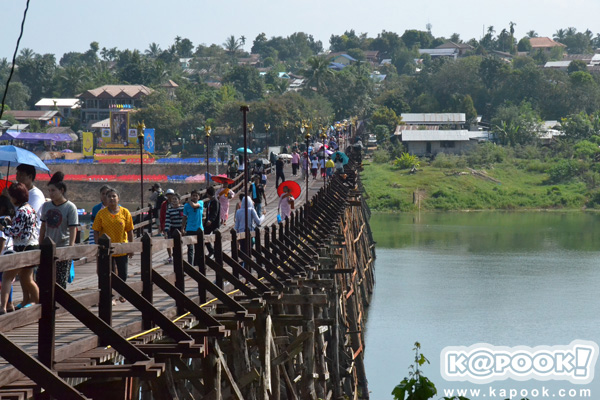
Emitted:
<point x="241" y="150"/>
<point x="341" y="154"/>
<point x="15" y="155"/>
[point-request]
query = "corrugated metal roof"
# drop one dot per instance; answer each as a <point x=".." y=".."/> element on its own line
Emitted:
<point x="558" y="64"/>
<point x="434" y="118"/>
<point x="435" y="136"/>
<point x="439" y="52"/>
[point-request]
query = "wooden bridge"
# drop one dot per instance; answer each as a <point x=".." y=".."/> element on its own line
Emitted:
<point x="282" y="321"/>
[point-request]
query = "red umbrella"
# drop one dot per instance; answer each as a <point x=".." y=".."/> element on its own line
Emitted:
<point x="294" y="188"/>
<point x="222" y="180"/>
<point x="3" y="185"/>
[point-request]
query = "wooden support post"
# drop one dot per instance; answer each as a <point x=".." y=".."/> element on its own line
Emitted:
<point x="219" y="258"/>
<point x="307" y="385"/>
<point x="47" y="282"/>
<point x="234" y="249"/>
<point x="178" y="269"/>
<point x="199" y="260"/>
<point x="146" y="275"/>
<point x="104" y="268"/>
<point x="257" y="241"/>
<point x="150" y="219"/>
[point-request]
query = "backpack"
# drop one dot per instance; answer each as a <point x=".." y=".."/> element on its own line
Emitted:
<point x="159" y="200"/>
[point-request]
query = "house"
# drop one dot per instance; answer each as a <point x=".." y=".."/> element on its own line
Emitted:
<point x="436" y="53"/>
<point x="462" y="48"/>
<point x="431" y="142"/>
<point x="342" y="58"/>
<point x="4" y="125"/>
<point x="544" y="44"/>
<point x="65" y="106"/>
<point x="456" y="120"/>
<point x="549" y="131"/>
<point x="170" y="87"/>
<point x="386" y="61"/>
<point x="253" y="60"/>
<point x="96" y="104"/>
<point x="372" y="56"/>
<point x="45" y="117"/>
<point x="185" y="62"/>
<point x="377" y="77"/>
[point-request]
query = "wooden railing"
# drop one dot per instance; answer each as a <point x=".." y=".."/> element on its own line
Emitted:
<point x="282" y="257"/>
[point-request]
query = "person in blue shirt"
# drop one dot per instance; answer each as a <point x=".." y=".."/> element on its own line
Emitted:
<point x="192" y="220"/>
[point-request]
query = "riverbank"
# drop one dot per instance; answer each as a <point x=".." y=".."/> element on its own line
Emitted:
<point x="505" y="187"/>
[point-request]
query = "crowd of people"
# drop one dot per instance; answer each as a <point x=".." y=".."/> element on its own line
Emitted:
<point x="27" y="217"/>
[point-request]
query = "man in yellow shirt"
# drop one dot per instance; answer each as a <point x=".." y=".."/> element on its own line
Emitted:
<point x="116" y="222"/>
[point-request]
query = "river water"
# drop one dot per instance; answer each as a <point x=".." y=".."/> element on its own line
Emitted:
<point x="458" y="279"/>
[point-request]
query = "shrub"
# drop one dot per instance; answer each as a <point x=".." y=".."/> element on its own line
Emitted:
<point x="406" y="161"/>
<point x="563" y="171"/>
<point x="381" y="156"/>
<point x="449" y="161"/>
<point x="486" y="154"/>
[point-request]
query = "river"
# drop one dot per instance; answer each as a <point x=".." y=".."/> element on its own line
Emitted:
<point x="458" y="279"/>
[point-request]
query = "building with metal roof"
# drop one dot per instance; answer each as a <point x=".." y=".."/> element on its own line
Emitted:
<point x="434" y="118"/>
<point x="450" y="53"/>
<point x="432" y="142"/>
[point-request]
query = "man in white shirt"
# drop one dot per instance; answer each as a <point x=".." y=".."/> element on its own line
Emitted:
<point x="26" y="175"/>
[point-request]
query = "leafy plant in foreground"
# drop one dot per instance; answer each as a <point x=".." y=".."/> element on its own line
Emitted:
<point x="416" y="386"/>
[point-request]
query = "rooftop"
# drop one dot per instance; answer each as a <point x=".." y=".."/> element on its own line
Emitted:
<point x="112" y="91"/>
<point x="544" y="42"/>
<point x="49" y="102"/>
<point x="434" y="118"/>
<point x="39" y="115"/>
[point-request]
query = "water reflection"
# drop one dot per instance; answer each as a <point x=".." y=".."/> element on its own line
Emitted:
<point x="456" y="279"/>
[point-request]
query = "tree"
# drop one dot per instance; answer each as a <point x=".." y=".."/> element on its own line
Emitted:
<point x="512" y="35"/>
<point x="38" y="74"/>
<point x="232" y="46"/>
<point x="247" y="81"/>
<point x="153" y="50"/>
<point x="318" y="73"/>
<point x="468" y="108"/>
<point x="385" y="116"/>
<point x="524" y="44"/>
<point x="578" y="126"/>
<point x="516" y="125"/>
<point x="576" y="65"/>
<point x="420" y="39"/>
<point x="532" y="34"/>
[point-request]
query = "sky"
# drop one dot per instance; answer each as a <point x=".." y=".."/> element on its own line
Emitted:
<point x="59" y="26"/>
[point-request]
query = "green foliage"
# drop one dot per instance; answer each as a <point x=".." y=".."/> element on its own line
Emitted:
<point x="563" y="170"/>
<point x="384" y="116"/>
<point x="381" y="156"/>
<point x="579" y="126"/>
<point x="416" y="386"/>
<point x="247" y="81"/>
<point x="516" y="125"/>
<point x="449" y="161"/>
<point x="586" y="150"/>
<point x="577" y="65"/>
<point x="382" y="132"/>
<point x="406" y="161"/>
<point x="485" y="155"/>
<point x="524" y="44"/>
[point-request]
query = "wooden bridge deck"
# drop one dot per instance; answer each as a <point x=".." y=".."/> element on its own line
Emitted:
<point x="74" y="340"/>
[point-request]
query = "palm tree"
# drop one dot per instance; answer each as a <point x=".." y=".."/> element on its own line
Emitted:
<point x="232" y="46"/>
<point x="560" y="35"/>
<point x="317" y="72"/>
<point x="153" y="50"/>
<point x="26" y="54"/>
<point x="532" y="34"/>
<point x="512" y="36"/>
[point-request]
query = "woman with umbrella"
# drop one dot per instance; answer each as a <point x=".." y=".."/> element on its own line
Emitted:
<point x="23" y="231"/>
<point x="288" y="191"/>
<point x="224" y="195"/>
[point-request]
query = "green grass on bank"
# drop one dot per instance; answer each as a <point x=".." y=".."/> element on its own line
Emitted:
<point x="391" y="189"/>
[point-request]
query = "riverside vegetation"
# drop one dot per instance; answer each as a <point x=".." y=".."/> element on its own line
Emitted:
<point x="565" y="176"/>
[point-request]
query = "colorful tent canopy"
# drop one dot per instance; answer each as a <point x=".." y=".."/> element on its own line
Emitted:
<point x="32" y="136"/>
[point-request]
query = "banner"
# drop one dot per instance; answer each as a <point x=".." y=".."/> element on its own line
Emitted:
<point x="132" y="134"/>
<point x="149" y="140"/>
<point x="119" y="124"/>
<point x="106" y="135"/>
<point x="88" y="144"/>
